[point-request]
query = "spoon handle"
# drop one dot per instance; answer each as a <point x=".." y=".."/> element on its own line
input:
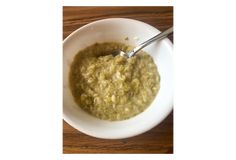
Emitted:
<point x="144" y="44"/>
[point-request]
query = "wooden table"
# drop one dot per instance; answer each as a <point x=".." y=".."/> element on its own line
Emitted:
<point x="158" y="139"/>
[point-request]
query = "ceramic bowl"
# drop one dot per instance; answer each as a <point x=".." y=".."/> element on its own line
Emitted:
<point x="117" y="30"/>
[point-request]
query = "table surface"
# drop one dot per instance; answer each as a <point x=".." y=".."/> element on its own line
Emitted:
<point x="158" y="139"/>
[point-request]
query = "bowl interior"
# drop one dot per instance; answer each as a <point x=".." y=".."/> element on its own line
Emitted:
<point x="116" y="30"/>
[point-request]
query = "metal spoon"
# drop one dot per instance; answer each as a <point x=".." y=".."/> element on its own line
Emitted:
<point x="144" y="44"/>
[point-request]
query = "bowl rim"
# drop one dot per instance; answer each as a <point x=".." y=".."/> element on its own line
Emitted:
<point x="144" y="129"/>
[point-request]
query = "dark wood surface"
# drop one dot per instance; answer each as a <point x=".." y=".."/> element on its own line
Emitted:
<point x="158" y="139"/>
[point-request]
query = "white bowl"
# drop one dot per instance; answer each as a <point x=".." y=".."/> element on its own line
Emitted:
<point x="117" y="29"/>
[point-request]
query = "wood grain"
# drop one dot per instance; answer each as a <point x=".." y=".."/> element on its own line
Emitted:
<point x="158" y="139"/>
<point x="75" y="17"/>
